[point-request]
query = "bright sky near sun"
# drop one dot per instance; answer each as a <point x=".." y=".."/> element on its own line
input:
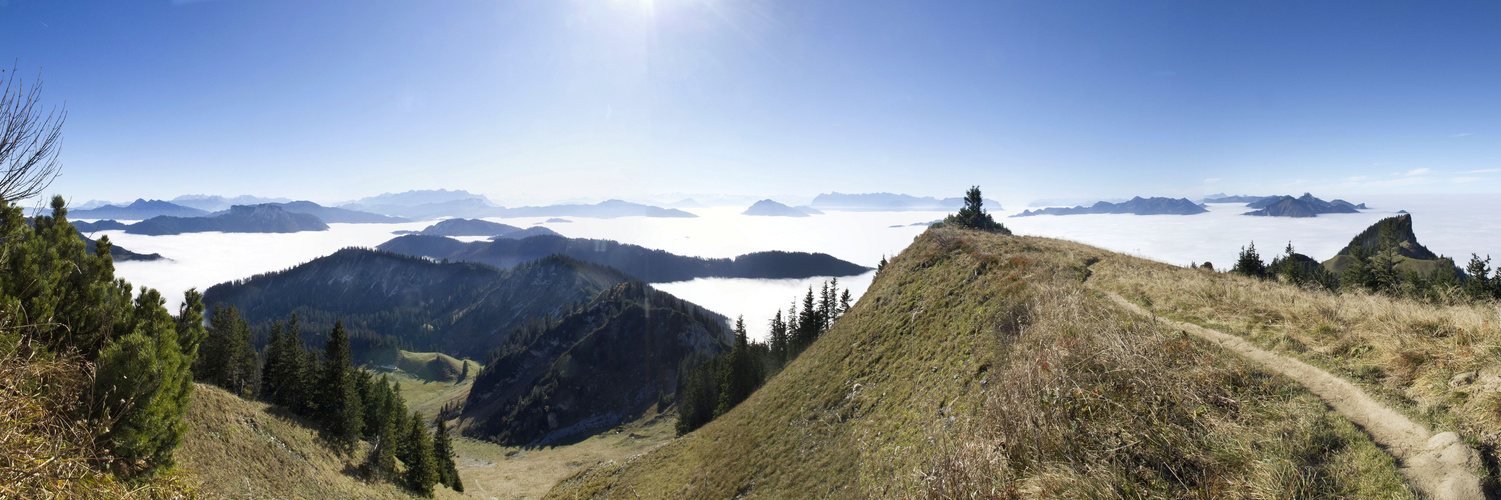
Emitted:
<point x="542" y="100"/>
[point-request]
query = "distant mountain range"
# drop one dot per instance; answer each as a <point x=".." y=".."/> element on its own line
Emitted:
<point x="419" y="197"/>
<point x="141" y="209"/>
<point x="653" y="266"/>
<point x="1071" y="202"/>
<point x="218" y="203"/>
<point x="385" y="299"/>
<point x="1136" y="206"/>
<point x="601" y="365"/>
<point x="474" y="208"/>
<point x="1305" y="206"/>
<point x="332" y="214"/>
<point x="239" y="219"/>
<point x="890" y="202"/>
<point x="770" y="208"/>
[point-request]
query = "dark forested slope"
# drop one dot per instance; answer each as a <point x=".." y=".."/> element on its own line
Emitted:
<point x="598" y="366"/>
<point x="654" y="266"/>
<point x="462" y="309"/>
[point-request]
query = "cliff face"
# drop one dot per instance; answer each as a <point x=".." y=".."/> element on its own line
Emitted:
<point x="1390" y="233"/>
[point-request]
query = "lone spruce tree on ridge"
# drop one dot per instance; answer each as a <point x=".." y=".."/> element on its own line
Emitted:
<point x="973" y="215"/>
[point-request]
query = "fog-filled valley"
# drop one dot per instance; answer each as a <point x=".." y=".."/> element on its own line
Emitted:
<point x="1450" y="225"/>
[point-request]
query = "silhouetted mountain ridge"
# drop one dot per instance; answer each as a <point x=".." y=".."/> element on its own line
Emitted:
<point x="654" y="266"/>
<point x="1135" y="206"/>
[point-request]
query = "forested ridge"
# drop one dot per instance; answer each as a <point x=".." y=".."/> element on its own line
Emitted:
<point x="391" y="300"/>
<point x="650" y="265"/>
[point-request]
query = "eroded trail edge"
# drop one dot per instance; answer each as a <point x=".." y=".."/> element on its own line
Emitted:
<point x="1438" y="466"/>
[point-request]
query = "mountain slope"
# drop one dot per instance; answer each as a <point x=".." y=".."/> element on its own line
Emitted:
<point x="982" y="365"/>
<point x="1392" y="233"/>
<point x="770" y="208"/>
<point x="652" y="266"/>
<point x="601" y="365"/>
<point x="239" y="219"/>
<point x="236" y="448"/>
<point x="335" y="215"/>
<point x="464" y="227"/>
<point x="460" y="309"/>
<point x="1304" y="206"/>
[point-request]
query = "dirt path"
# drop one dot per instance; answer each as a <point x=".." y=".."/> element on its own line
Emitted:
<point x="1438" y="466"/>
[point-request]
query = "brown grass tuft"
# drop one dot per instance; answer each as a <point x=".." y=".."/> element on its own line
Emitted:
<point x="45" y="452"/>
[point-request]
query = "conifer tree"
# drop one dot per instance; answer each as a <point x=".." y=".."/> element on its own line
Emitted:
<point x="190" y="330"/>
<point x="738" y="378"/>
<point x="809" y="324"/>
<point x="448" y="473"/>
<point x="244" y="369"/>
<point x="271" y="363"/>
<point x="1357" y="272"/>
<point x="339" y="401"/>
<point x="1249" y="263"/>
<point x="698" y="393"/>
<point x="778" y="340"/>
<point x="1383" y="270"/>
<point x="973" y="215"/>
<point x="380" y="461"/>
<point x="422" y="471"/>
<point x="212" y="356"/>
<point x="1478" y="277"/>
<point x="143" y="384"/>
<point x="828" y="304"/>
<point x="226" y="358"/>
<point x="844" y="302"/>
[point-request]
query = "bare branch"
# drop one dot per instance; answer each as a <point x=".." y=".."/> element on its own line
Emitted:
<point x="30" y="139"/>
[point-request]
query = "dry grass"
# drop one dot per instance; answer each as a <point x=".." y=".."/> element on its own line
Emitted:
<point x="979" y="366"/>
<point x="1439" y="363"/>
<point x="245" y="449"/>
<point x="44" y="453"/>
<point x="493" y="471"/>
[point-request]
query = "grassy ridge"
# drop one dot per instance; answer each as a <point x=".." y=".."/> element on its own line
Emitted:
<point x="979" y="364"/>
<point x="1439" y="363"/>
<point x="236" y="448"/>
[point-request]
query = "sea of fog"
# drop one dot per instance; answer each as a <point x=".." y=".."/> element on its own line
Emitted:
<point x="1454" y="225"/>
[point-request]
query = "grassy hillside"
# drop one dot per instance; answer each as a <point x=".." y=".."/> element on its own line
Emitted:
<point x="1439" y="363"/>
<point x="983" y="365"/>
<point x="245" y="449"/>
<point x="427" y="366"/>
<point x="493" y="471"/>
<point x="428" y="395"/>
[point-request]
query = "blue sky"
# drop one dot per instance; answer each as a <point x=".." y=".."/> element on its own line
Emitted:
<point x="540" y="100"/>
